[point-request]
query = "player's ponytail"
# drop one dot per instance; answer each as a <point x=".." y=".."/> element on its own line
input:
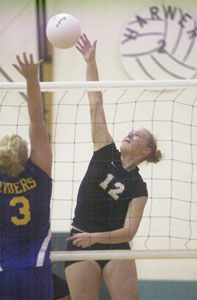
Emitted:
<point x="13" y="155"/>
<point x="155" y="156"/>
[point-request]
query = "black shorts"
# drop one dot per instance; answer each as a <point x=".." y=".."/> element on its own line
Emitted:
<point x="102" y="263"/>
<point x="60" y="285"/>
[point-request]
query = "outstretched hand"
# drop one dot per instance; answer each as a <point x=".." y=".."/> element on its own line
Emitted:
<point x="26" y="66"/>
<point x="86" y="48"/>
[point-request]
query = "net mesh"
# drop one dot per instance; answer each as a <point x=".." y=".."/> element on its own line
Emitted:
<point x="170" y="216"/>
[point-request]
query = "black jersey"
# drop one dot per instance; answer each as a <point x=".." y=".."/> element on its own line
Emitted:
<point x="106" y="191"/>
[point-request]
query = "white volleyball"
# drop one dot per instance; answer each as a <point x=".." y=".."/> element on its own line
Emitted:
<point x="63" y="31"/>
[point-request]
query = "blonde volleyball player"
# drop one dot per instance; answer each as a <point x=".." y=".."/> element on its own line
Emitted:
<point x="25" y="193"/>
<point x="110" y="202"/>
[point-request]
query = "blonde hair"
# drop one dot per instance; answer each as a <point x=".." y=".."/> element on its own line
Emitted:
<point x="155" y="156"/>
<point x="13" y="155"/>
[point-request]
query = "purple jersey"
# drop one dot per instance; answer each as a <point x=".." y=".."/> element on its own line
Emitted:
<point x="24" y="219"/>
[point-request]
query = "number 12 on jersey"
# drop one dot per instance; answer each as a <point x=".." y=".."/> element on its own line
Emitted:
<point x="114" y="193"/>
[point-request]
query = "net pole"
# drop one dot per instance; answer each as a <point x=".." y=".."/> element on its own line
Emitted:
<point x="122" y="254"/>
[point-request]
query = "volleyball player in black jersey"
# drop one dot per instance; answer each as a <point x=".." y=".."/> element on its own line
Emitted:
<point x="110" y="202"/>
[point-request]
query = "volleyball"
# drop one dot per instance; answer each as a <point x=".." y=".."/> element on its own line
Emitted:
<point x="63" y="31"/>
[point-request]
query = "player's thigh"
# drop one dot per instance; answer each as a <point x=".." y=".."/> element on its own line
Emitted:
<point x="83" y="280"/>
<point x="120" y="277"/>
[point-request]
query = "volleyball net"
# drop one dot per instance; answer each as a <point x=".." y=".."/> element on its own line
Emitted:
<point x="168" y="109"/>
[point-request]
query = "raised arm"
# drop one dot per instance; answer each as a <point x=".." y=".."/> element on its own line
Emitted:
<point x="40" y="147"/>
<point x="100" y="133"/>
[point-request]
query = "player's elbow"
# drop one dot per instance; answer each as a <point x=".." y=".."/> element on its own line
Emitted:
<point x="128" y="234"/>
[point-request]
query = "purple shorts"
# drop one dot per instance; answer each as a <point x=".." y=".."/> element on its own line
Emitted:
<point x="27" y="284"/>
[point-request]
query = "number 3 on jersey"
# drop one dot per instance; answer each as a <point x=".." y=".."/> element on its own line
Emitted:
<point x="24" y="211"/>
<point x="114" y="193"/>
